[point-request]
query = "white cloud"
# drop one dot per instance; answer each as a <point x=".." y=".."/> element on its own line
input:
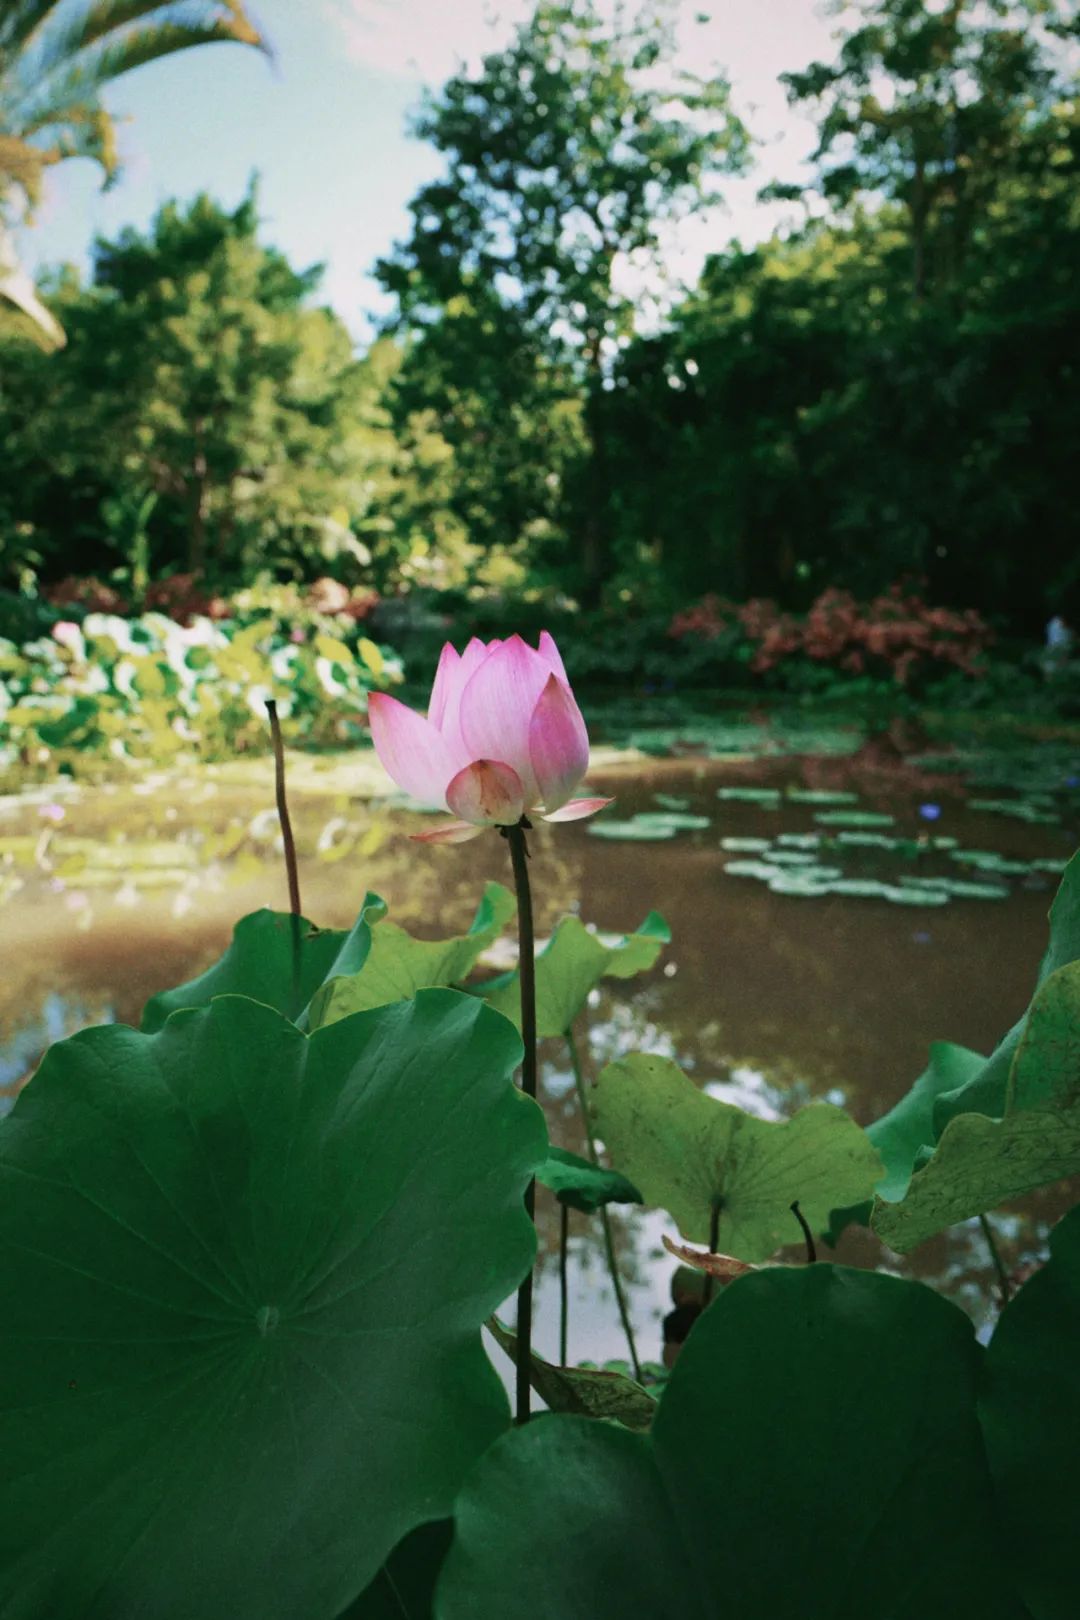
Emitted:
<point x="425" y="40"/>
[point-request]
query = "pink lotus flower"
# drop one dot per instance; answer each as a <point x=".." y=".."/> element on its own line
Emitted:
<point x="503" y="738"/>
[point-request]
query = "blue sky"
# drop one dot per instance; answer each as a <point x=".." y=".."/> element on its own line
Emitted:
<point x="325" y="125"/>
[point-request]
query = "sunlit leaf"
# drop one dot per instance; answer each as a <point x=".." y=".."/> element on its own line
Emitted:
<point x="690" y="1153"/>
<point x="908" y="1126"/>
<point x="981" y="1162"/>
<point x="571" y="965"/>
<point x="397" y="965"/>
<point x="985" y="1092"/>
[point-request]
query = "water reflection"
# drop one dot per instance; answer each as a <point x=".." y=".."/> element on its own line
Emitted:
<point x="769" y="1001"/>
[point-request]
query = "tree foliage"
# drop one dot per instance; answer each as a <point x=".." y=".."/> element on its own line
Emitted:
<point x="198" y="370"/>
<point x="568" y="156"/>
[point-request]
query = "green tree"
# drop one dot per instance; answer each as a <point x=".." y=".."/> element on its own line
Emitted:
<point x="56" y="59"/>
<point x="568" y="156"/>
<point x="935" y="111"/>
<point x="886" y="392"/>
<point x="196" y="370"/>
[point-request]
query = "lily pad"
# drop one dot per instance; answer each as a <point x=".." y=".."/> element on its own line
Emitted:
<point x="230" y="1302"/>
<point x="677" y="820"/>
<point x="671" y="801"/>
<point x="854" y="818"/>
<point x="783" y="1374"/>
<point x="860" y="840"/>
<point x="745" y="846"/>
<point x="799" y="840"/>
<point x="1018" y="809"/>
<point x="797" y="885"/>
<point x="963" y="889"/>
<point x="752" y="869"/>
<point x="582" y="1185"/>
<point x="767" y="798"/>
<point x="397" y="965"/>
<point x="861" y="888"/>
<point x="571" y="965"/>
<point x="631" y="832"/>
<point x="690" y="1154"/>
<point x="821" y="796"/>
<point x="899" y="896"/>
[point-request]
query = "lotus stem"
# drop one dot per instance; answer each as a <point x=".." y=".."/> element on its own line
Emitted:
<point x="808" y="1236"/>
<point x="995" y="1255"/>
<point x="714" y="1247"/>
<point x="291" y="870"/>
<point x="605" y="1219"/>
<point x="519" y="860"/>
<point x="564" y="1292"/>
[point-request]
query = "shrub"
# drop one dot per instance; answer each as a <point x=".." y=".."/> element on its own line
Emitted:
<point x="148" y="689"/>
<point x="895" y="635"/>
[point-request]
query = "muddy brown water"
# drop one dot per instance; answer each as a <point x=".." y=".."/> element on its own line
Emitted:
<point x="768" y="999"/>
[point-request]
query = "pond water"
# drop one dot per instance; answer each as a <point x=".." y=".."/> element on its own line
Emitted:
<point x="832" y="913"/>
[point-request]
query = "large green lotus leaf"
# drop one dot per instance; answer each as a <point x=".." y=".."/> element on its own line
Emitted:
<point x="589" y="1391"/>
<point x="901" y="1133"/>
<point x="1030" y="1411"/>
<point x="817" y="1426"/>
<point x="259" y="964"/>
<point x="397" y="965"/>
<point x="980" y="1162"/>
<point x="571" y="965"/>
<point x="239" y="1356"/>
<point x="985" y="1091"/>
<point x="688" y="1153"/>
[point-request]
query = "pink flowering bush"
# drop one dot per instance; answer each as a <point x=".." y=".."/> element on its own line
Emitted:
<point x="897" y="634"/>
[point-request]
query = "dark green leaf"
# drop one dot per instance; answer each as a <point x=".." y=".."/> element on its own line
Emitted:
<point x="583" y="1185"/>
<point x="259" y="964"/>
<point x="404" y="1589"/>
<point x="1030" y="1412"/>
<point x="773" y="1414"/>
<point x="239" y="1358"/>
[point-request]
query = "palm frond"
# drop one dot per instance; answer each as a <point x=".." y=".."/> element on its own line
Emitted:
<point x="20" y="19"/>
<point x="18" y="290"/>
<point x="66" y="70"/>
<point x="92" y="22"/>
